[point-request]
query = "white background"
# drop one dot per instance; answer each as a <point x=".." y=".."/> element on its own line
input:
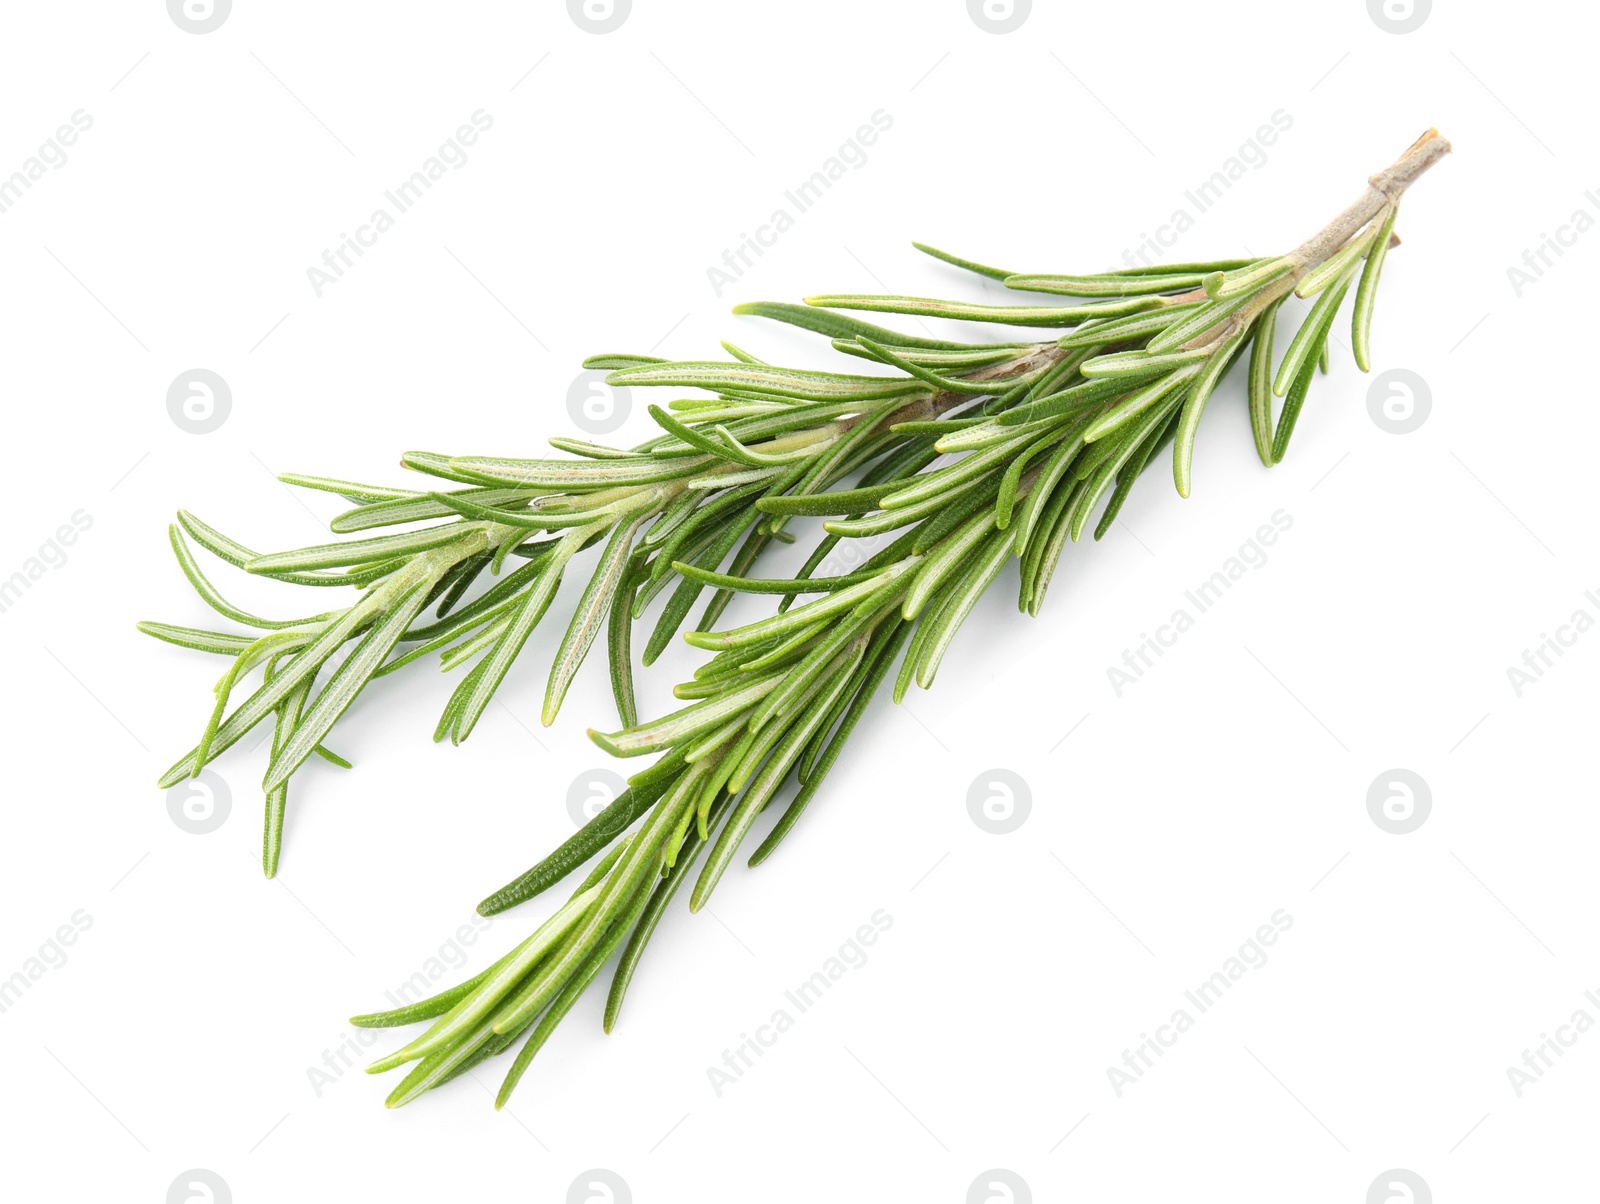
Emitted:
<point x="1166" y="825"/>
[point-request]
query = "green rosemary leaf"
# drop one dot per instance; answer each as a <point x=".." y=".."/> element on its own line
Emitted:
<point x="1011" y="315"/>
<point x="1136" y="403"/>
<point x="1136" y="327"/>
<point x="704" y="521"/>
<point x="704" y="443"/>
<point x="805" y="675"/>
<point x="359" y="551"/>
<point x="1131" y="471"/>
<point x="579" y="475"/>
<point x="782" y="649"/>
<point x="1204" y="267"/>
<point x="944" y="560"/>
<point x="343" y="687"/>
<point x="1130" y="366"/>
<point x="1290" y="414"/>
<point x="931" y="485"/>
<point x="487" y="602"/>
<point x="454" y="584"/>
<point x="619" y="649"/>
<point x="800" y="384"/>
<point x="902" y="516"/>
<point x="361" y="494"/>
<point x="943" y="521"/>
<point x="1044" y="486"/>
<point x="938" y="426"/>
<point x="985" y="566"/>
<point x="835" y="603"/>
<point x="531" y="520"/>
<point x="1079" y="397"/>
<point x="1053" y="540"/>
<point x="844" y="501"/>
<point x="590" y="451"/>
<point x="770" y="585"/>
<point x="794" y="449"/>
<point x="1158" y="281"/>
<point x="498" y="663"/>
<point x="419" y="507"/>
<point x="1335" y="267"/>
<point x="1307" y="342"/>
<point x="620" y="361"/>
<point x="937" y="380"/>
<point x="838" y="326"/>
<point x="685" y="506"/>
<point x="978" y="356"/>
<point x="966" y="264"/>
<point x="1196" y="326"/>
<point x="435" y="465"/>
<point x="730" y="480"/>
<point x="1220" y="286"/>
<point x="605" y="826"/>
<point x="463" y="650"/>
<point x="1260" y="382"/>
<point x="200" y="641"/>
<point x="238" y="555"/>
<point x="1127" y="442"/>
<point x="333" y="758"/>
<point x="683" y="724"/>
<point x="590" y="613"/>
<point x="1194" y="406"/>
<point x="425" y="1009"/>
<point x="452" y="707"/>
<point x="441" y="1067"/>
<point x="286" y="717"/>
<point x="1367" y="292"/>
<point x="1011" y="479"/>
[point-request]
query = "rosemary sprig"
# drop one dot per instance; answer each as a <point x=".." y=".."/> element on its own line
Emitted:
<point x="780" y="697"/>
<point x="693" y="495"/>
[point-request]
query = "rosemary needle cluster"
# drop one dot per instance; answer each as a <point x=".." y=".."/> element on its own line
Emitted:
<point x="1043" y="431"/>
<point x="689" y="496"/>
